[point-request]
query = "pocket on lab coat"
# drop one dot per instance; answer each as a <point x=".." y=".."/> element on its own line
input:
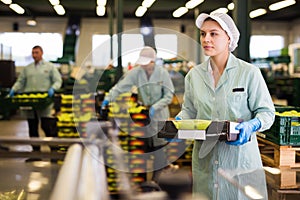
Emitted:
<point x="238" y="100"/>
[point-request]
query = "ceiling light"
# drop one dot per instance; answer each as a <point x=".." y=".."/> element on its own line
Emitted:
<point x="100" y="10"/>
<point x="18" y="9"/>
<point x="145" y="30"/>
<point x="140" y="11"/>
<point x="180" y="11"/>
<point x="31" y="22"/>
<point x="59" y="9"/>
<point x="281" y="4"/>
<point x="7" y="1"/>
<point x="257" y="12"/>
<point x="230" y="6"/>
<point x="54" y="2"/>
<point x="148" y="3"/>
<point x="101" y="2"/>
<point x="193" y="3"/>
<point x="220" y="10"/>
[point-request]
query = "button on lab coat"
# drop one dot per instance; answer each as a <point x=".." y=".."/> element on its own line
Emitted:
<point x="240" y="95"/>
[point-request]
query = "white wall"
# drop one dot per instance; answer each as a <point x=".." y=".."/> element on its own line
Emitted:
<point x="272" y="28"/>
<point x="44" y="24"/>
<point x="295" y="31"/>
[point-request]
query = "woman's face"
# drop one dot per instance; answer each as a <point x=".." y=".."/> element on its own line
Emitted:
<point x="213" y="38"/>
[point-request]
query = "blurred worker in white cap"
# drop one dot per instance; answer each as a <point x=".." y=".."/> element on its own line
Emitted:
<point x="155" y="90"/>
<point x="226" y="88"/>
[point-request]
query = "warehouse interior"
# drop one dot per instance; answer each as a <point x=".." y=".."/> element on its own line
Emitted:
<point x="81" y="158"/>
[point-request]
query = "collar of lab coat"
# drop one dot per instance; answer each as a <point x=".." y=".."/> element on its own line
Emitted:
<point x="41" y="62"/>
<point x="231" y="63"/>
<point x="204" y="67"/>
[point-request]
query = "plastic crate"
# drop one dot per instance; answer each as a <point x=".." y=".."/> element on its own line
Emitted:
<point x="283" y="132"/>
<point x="37" y="100"/>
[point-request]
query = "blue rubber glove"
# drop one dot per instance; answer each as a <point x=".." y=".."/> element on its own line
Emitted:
<point x="51" y="92"/>
<point x="173" y="140"/>
<point x="178" y="118"/>
<point x="11" y="93"/>
<point x="151" y="111"/>
<point x="104" y="106"/>
<point x="104" y="103"/>
<point x="246" y="129"/>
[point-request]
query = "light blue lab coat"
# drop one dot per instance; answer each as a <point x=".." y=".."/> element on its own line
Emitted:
<point x="39" y="78"/>
<point x="241" y="94"/>
<point x="157" y="91"/>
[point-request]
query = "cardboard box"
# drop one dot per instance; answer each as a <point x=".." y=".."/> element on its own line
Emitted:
<point x="198" y="129"/>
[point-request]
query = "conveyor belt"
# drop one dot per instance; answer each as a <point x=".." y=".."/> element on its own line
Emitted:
<point x="50" y="141"/>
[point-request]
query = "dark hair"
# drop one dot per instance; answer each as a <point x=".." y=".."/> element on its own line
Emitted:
<point x="38" y="47"/>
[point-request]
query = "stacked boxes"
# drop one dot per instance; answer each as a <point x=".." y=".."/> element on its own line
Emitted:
<point x="179" y="152"/>
<point x="286" y="128"/>
<point x="86" y="112"/>
<point x="75" y="112"/>
<point x="288" y="88"/>
<point x="66" y="123"/>
<point x="129" y="117"/>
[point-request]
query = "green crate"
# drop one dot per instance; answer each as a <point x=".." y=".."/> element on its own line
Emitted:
<point x="282" y="132"/>
<point x="35" y="103"/>
<point x="280" y="140"/>
<point x="279" y="108"/>
<point x="294" y="140"/>
<point x="295" y="130"/>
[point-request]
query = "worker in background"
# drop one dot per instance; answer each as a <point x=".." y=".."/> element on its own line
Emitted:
<point x="226" y="88"/>
<point x="155" y="90"/>
<point x="39" y="76"/>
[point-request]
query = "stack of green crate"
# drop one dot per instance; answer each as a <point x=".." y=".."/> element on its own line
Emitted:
<point x="130" y="119"/>
<point x="75" y="112"/>
<point x="179" y="152"/>
<point x="84" y="111"/>
<point x="286" y="127"/>
<point x="66" y="124"/>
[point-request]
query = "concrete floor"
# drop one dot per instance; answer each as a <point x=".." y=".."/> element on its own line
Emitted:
<point x="35" y="180"/>
<point x="20" y="179"/>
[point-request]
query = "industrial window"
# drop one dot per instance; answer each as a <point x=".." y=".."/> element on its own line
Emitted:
<point x="102" y="49"/>
<point x="21" y="45"/>
<point x="261" y="45"/>
<point x="166" y="45"/>
<point x="131" y="46"/>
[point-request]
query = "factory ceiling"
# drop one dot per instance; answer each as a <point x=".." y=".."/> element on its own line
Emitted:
<point x="161" y="9"/>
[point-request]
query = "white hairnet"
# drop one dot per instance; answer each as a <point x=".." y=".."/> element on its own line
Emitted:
<point x="227" y="25"/>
